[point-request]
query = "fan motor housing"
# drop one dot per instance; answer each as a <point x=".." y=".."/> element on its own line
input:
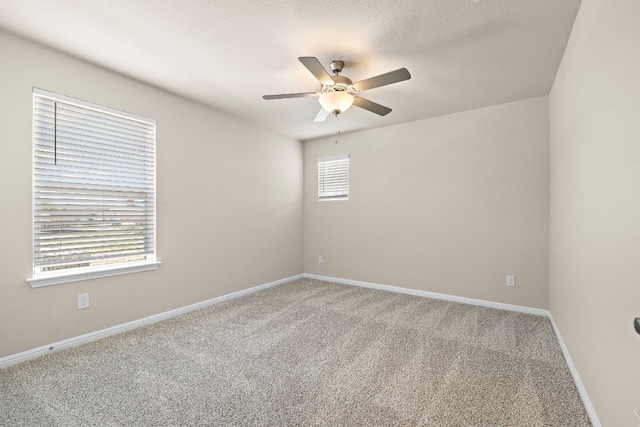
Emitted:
<point x="342" y="80"/>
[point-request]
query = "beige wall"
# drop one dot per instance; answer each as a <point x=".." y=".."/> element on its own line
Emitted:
<point x="450" y="204"/>
<point x="595" y="204"/>
<point x="229" y="204"/>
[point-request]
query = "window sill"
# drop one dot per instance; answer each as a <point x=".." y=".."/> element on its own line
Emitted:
<point x="57" y="279"/>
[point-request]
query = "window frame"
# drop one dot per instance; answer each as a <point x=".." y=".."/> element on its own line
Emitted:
<point x="340" y="171"/>
<point x="77" y="273"/>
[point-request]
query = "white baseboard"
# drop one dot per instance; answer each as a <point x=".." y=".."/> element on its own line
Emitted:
<point x="528" y="310"/>
<point x="434" y="295"/>
<point x="93" y="336"/>
<point x="591" y="411"/>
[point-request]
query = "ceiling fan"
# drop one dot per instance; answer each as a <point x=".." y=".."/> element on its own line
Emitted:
<point x="337" y="93"/>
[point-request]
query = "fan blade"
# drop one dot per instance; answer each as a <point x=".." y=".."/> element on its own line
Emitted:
<point x="291" y="95"/>
<point x="322" y="115"/>
<point x="383" y="79"/>
<point x="316" y="68"/>
<point x="381" y="110"/>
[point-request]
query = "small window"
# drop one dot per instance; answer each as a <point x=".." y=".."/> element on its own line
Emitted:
<point x="93" y="189"/>
<point x="333" y="178"/>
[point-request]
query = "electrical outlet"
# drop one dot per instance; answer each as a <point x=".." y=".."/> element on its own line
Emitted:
<point x="511" y="280"/>
<point x="83" y="301"/>
<point x="320" y="259"/>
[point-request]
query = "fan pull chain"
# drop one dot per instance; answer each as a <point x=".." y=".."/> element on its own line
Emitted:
<point x="337" y="127"/>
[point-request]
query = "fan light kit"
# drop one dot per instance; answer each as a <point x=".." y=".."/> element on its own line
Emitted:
<point x="336" y="102"/>
<point x="338" y="93"/>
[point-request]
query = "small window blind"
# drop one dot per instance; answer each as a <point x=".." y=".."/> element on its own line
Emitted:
<point x="93" y="185"/>
<point x="333" y="177"/>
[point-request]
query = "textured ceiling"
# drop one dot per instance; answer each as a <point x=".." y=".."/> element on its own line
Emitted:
<point x="462" y="54"/>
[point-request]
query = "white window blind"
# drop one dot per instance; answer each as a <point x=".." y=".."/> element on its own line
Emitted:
<point x="93" y="186"/>
<point x="333" y="177"/>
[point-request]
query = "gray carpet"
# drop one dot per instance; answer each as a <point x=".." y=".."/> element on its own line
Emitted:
<point x="307" y="353"/>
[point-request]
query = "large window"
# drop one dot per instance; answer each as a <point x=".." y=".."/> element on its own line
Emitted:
<point x="333" y="177"/>
<point x="93" y="190"/>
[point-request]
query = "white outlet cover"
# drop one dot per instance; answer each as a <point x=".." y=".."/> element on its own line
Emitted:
<point x="511" y="280"/>
<point x="83" y="301"/>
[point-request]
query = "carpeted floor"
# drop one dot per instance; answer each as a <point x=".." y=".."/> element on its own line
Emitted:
<point x="307" y="353"/>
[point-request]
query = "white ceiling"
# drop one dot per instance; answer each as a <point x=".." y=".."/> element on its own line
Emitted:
<point x="462" y="54"/>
